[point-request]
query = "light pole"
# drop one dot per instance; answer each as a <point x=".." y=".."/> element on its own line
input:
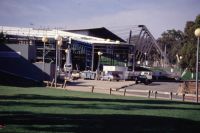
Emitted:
<point x="145" y="58"/>
<point x="181" y="57"/>
<point x="99" y="54"/>
<point x="58" y="38"/>
<point x="197" y="34"/>
<point x="44" y="40"/>
<point x="138" y="62"/>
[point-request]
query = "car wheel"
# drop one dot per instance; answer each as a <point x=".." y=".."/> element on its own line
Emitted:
<point x="177" y="78"/>
<point x="146" y="82"/>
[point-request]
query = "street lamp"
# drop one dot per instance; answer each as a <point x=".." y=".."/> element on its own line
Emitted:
<point x="66" y="51"/>
<point x="59" y="54"/>
<point x="197" y="34"/>
<point x="44" y="40"/>
<point x="181" y="57"/>
<point x="99" y="54"/>
<point x="138" y="62"/>
<point x="58" y="38"/>
<point x="145" y="58"/>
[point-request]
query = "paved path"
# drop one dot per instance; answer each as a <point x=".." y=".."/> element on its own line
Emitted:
<point x="158" y="86"/>
<point x="99" y="86"/>
<point x="163" y="89"/>
<point x="130" y="85"/>
<point x="100" y="83"/>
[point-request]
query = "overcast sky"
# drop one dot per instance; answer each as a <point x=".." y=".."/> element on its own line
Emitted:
<point x="157" y="15"/>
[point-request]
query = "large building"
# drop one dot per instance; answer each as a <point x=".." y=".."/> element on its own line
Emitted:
<point x="98" y="32"/>
<point x="24" y="53"/>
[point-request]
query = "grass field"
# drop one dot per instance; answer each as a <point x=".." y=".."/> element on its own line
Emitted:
<point x="51" y="110"/>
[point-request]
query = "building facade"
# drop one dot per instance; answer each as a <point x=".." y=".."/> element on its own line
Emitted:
<point x="24" y="49"/>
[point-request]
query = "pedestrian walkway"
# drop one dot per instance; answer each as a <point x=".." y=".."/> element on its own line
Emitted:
<point x="160" y="90"/>
<point x="99" y="86"/>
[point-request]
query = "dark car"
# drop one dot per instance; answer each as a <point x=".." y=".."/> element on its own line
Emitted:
<point x="143" y="79"/>
<point x="166" y="76"/>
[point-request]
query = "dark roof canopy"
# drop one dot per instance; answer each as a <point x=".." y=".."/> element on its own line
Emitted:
<point x="98" y="32"/>
<point x="139" y="68"/>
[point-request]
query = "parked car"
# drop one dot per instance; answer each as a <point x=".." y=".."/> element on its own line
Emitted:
<point x="88" y="75"/>
<point x="75" y="75"/>
<point x="143" y="79"/>
<point x="111" y="77"/>
<point x="144" y="76"/>
<point x="148" y="74"/>
<point x="166" y="76"/>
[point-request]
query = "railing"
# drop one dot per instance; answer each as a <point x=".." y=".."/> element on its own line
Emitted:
<point x="123" y="91"/>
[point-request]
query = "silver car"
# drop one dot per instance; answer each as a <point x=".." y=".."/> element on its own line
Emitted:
<point x="111" y="77"/>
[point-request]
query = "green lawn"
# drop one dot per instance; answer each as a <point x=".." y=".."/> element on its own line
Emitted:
<point x="37" y="109"/>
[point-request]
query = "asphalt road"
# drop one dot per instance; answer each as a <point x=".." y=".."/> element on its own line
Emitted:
<point x="157" y="86"/>
<point x="163" y="89"/>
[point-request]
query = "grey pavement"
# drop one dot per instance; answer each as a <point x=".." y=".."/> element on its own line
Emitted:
<point x="81" y="83"/>
<point x="157" y="86"/>
<point x="129" y="85"/>
<point x="163" y="89"/>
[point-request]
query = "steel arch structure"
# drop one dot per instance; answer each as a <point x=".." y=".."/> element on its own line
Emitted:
<point x="143" y="44"/>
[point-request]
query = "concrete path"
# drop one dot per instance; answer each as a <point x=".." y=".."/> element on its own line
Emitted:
<point x="99" y="86"/>
<point x="157" y="86"/>
<point x="163" y="90"/>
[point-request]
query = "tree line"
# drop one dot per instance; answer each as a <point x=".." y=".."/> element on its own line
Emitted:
<point x="180" y="46"/>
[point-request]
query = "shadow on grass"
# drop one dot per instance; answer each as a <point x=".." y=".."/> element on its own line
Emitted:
<point x="91" y="105"/>
<point x="7" y="79"/>
<point x="77" y="83"/>
<point x="77" y="98"/>
<point x="96" y="123"/>
<point x="55" y="122"/>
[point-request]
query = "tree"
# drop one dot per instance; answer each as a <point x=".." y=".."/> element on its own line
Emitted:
<point x="188" y="31"/>
<point x="188" y="51"/>
<point x="171" y="42"/>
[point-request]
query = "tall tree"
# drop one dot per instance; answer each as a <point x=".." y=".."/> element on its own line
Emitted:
<point x="171" y="41"/>
<point x="188" y="51"/>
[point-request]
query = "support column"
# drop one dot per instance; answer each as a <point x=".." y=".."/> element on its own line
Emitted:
<point x="92" y="65"/>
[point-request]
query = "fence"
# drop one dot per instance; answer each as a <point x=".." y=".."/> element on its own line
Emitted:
<point x="145" y="93"/>
<point x="123" y="91"/>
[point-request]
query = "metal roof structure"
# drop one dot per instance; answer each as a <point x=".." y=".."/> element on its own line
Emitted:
<point x="101" y="32"/>
<point x="143" y="42"/>
<point x="31" y="32"/>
